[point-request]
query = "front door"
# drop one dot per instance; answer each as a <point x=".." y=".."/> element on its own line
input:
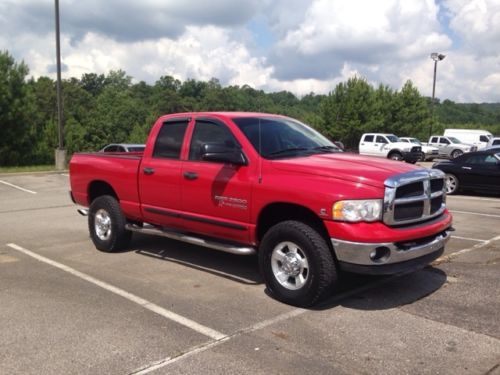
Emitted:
<point x="215" y="196"/>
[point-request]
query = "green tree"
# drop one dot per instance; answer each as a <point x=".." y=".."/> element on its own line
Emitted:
<point x="16" y="105"/>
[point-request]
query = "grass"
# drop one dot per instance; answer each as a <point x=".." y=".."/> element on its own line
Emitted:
<point x="28" y="168"/>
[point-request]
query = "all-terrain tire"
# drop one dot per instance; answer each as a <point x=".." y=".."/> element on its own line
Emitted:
<point x="296" y="244"/>
<point x="107" y="224"/>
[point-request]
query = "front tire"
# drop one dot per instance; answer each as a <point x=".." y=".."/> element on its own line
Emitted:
<point x="452" y="183"/>
<point x="107" y="224"/>
<point x="455" y="154"/>
<point x="296" y="263"/>
<point x="396" y="156"/>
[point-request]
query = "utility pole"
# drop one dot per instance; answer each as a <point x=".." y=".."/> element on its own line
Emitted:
<point x="436" y="57"/>
<point x="60" y="152"/>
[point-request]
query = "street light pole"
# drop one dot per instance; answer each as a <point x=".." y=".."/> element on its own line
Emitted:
<point x="60" y="153"/>
<point x="436" y="57"/>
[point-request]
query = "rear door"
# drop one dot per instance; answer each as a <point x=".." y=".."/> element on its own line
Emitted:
<point x="160" y="175"/>
<point x="215" y="196"/>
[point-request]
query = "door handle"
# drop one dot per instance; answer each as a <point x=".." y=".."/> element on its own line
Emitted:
<point x="148" y="170"/>
<point x="469" y="168"/>
<point x="190" y="175"/>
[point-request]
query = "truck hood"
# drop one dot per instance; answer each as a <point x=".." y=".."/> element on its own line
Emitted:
<point x="345" y="166"/>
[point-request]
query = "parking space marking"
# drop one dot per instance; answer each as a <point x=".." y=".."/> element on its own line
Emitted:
<point x="453" y="197"/>
<point x="447" y="258"/>
<point x="17" y="187"/>
<point x="213" y="334"/>
<point x="64" y="174"/>
<point x="474" y="213"/>
<point x="468" y="239"/>
<point x="263" y="324"/>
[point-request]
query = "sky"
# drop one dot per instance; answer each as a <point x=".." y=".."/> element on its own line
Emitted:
<point x="301" y="46"/>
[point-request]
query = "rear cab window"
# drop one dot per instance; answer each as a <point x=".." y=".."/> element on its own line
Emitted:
<point x="168" y="144"/>
<point x="368" y="138"/>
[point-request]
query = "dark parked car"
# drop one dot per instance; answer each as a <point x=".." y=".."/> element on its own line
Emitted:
<point x="478" y="171"/>
<point x="123" y="147"/>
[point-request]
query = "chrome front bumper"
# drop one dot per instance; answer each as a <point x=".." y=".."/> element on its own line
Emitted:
<point x="380" y="254"/>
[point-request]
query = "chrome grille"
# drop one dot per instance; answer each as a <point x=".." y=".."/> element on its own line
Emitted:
<point x="414" y="197"/>
<point x="416" y="149"/>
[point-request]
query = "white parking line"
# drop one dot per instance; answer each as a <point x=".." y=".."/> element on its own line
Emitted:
<point x="447" y="258"/>
<point x="131" y="297"/>
<point x="17" y="187"/>
<point x="473" y="213"/>
<point x="453" y="197"/>
<point x="468" y="239"/>
<point x="65" y="174"/>
<point x="260" y="325"/>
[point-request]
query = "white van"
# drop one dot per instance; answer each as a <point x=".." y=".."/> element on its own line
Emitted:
<point x="479" y="138"/>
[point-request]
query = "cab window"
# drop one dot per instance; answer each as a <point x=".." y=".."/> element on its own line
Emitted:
<point x="368" y="138"/>
<point x="208" y="132"/>
<point x="168" y="143"/>
<point x="444" y="141"/>
<point x="381" y="139"/>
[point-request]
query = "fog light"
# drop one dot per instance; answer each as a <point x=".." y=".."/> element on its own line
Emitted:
<point x="380" y="254"/>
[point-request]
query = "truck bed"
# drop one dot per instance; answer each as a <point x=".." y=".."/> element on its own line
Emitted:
<point x="118" y="169"/>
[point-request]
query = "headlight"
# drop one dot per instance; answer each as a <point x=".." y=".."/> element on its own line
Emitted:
<point x="406" y="149"/>
<point x="466" y="149"/>
<point x="357" y="210"/>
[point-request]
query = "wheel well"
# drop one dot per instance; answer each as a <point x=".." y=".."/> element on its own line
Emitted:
<point x="395" y="151"/>
<point x="99" y="188"/>
<point x="278" y="212"/>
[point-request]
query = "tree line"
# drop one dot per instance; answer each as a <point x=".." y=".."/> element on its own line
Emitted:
<point x="107" y="108"/>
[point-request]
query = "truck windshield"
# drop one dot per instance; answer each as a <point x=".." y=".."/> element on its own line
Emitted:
<point x="274" y="137"/>
<point x="454" y="140"/>
<point x="416" y="141"/>
<point x="392" y="138"/>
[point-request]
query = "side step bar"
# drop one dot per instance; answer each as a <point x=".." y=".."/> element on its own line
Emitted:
<point x="211" y="244"/>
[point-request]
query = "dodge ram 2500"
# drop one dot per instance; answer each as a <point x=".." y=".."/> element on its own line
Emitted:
<point x="251" y="183"/>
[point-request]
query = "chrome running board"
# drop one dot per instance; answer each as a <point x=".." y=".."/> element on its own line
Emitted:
<point x="211" y="244"/>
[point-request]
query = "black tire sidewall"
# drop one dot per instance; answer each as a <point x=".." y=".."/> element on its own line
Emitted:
<point x="119" y="236"/>
<point x="312" y="291"/>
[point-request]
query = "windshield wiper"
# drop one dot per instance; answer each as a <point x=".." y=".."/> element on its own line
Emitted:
<point x="292" y="149"/>
<point x="327" y="148"/>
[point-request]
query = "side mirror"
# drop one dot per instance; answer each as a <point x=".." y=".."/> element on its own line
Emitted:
<point x="220" y="152"/>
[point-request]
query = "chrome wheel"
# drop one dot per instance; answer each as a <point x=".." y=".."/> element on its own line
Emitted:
<point x="102" y="225"/>
<point x="456" y="154"/>
<point x="451" y="184"/>
<point x="290" y="266"/>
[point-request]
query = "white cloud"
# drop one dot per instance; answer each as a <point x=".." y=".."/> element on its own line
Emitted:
<point x="315" y="44"/>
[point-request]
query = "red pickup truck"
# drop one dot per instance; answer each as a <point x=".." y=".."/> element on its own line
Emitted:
<point x="251" y="183"/>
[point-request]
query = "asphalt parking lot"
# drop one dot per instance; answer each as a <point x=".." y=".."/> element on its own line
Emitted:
<point x="171" y="308"/>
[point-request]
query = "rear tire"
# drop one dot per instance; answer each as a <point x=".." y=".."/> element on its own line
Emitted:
<point x="296" y="263"/>
<point x="452" y="183"/>
<point x="107" y="224"/>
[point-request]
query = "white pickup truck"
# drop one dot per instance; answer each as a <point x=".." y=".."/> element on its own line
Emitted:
<point x="389" y="146"/>
<point x="429" y="153"/>
<point x="450" y="147"/>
